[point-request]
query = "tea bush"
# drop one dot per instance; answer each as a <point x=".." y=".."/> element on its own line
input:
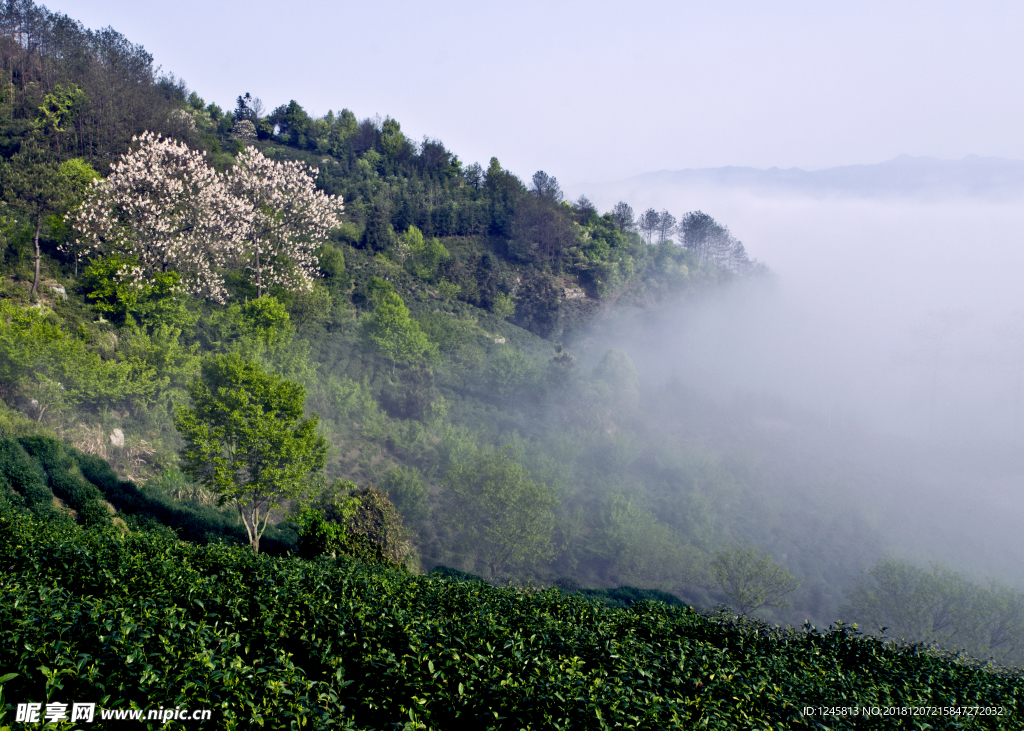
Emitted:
<point x="144" y="619"/>
<point x="36" y="469"/>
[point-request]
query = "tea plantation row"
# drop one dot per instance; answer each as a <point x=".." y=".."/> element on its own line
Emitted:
<point x="141" y="619"/>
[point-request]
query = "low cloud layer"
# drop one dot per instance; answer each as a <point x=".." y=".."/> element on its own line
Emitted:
<point x="900" y="315"/>
<point x="906" y="312"/>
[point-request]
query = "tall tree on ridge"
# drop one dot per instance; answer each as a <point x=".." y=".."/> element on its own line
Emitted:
<point x="666" y="225"/>
<point x="648" y="223"/>
<point x="622" y="214"/>
<point x="546" y="187"/>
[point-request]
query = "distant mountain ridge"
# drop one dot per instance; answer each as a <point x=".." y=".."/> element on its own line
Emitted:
<point x="905" y="175"/>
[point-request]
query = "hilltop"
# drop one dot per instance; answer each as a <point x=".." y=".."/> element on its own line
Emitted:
<point x="491" y="279"/>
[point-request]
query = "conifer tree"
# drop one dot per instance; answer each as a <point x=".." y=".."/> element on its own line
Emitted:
<point x="33" y="182"/>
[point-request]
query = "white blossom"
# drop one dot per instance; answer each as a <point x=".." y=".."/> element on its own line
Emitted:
<point x="287" y="219"/>
<point x="165" y="205"/>
<point x="244" y="130"/>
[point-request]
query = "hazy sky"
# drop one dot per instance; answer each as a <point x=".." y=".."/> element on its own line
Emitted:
<point x="596" y="90"/>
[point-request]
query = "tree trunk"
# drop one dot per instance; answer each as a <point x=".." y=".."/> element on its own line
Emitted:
<point x="35" y="281"/>
<point x="251" y="523"/>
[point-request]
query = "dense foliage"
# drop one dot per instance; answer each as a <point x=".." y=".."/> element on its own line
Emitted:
<point x="142" y="620"/>
<point x="941" y="606"/>
<point x="409" y="322"/>
<point x="59" y="483"/>
<point x="246" y="439"/>
<point x="88" y="91"/>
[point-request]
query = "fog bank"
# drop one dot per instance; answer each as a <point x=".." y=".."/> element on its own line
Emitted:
<point x="902" y="318"/>
<point x="905" y="313"/>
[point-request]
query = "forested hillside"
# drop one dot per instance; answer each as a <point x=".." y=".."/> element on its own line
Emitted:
<point x="423" y="303"/>
<point x="416" y="331"/>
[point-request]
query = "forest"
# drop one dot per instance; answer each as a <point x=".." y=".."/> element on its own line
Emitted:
<point x="288" y="377"/>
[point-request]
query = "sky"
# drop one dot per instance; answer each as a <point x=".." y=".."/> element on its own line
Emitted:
<point x="598" y="91"/>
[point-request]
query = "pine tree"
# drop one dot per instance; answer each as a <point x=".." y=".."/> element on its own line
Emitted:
<point x="33" y="182"/>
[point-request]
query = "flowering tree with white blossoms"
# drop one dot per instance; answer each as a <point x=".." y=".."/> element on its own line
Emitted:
<point x="287" y="219"/>
<point x="165" y="206"/>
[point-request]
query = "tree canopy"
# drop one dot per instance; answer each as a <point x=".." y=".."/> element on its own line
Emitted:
<point x="165" y="206"/>
<point x="500" y="509"/>
<point x="751" y="579"/>
<point x="394" y="334"/>
<point x="246" y="438"/>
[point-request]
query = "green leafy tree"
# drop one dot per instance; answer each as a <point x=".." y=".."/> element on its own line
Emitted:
<point x="500" y="512"/>
<point x="392" y="140"/>
<point x="408" y="491"/>
<point x="617" y="378"/>
<point x="750" y="578"/>
<point x="511" y="371"/>
<point x="155" y="314"/>
<point x="32" y="182"/>
<point x="261" y="330"/>
<point x="394" y="334"/>
<point x="376" y="518"/>
<point x="351" y="521"/>
<point x="79" y="175"/>
<point x="561" y="369"/>
<point x="322" y="529"/>
<point x="503" y="305"/>
<point x="351" y="405"/>
<point x="53" y="369"/>
<point x="332" y="261"/>
<point x="909" y="600"/>
<point x="422" y="256"/>
<point x="311" y="307"/>
<point x="378" y="234"/>
<point x="642" y="550"/>
<point x="246" y="439"/>
<point x="159" y="352"/>
<point x="942" y="606"/>
<point x="504" y="191"/>
<point x="319" y="536"/>
<point x="58" y="111"/>
<point x="111" y="283"/>
<point x="447" y="331"/>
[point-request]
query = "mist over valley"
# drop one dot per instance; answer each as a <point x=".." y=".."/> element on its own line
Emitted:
<point x="890" y="328"/>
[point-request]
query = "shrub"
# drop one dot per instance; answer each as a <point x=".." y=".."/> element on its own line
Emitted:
<point x="24" y="478"/>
